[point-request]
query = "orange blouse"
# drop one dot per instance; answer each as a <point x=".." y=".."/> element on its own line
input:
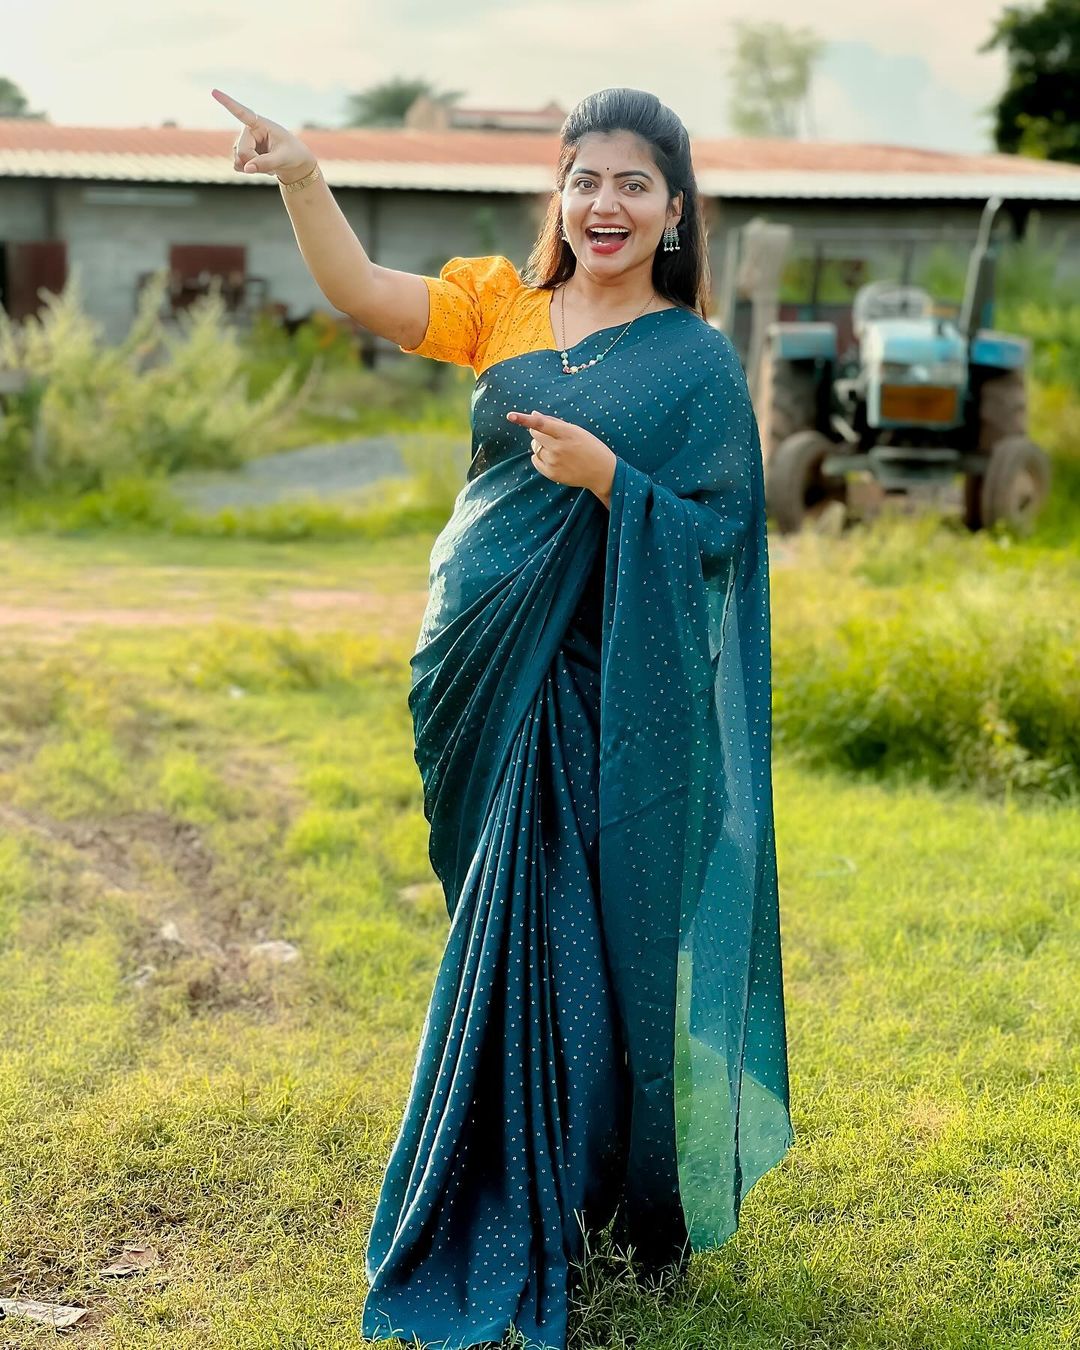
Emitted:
<point x="482" y="312"/>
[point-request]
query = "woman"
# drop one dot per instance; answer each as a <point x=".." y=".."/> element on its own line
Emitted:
<point x="591" y="704"/>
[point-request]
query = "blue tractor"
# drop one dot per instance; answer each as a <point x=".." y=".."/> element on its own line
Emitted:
<point x="895" y="393"/>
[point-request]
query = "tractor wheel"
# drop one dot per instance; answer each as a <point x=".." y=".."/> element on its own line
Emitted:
<point x="787" y="399"/>
<point x="1016" y="483"/>
<point x="1002" y="412"/>
<point x="795" y="487"/>
<point x="1002" y="408"/>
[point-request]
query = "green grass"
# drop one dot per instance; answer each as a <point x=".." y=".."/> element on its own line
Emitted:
<point x="221" y="762"/>
<point x="914" y="648"/>
<point x="399" y="398"/>
<point x="148" y="505"/>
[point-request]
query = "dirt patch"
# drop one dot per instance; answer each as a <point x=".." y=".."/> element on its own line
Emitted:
<point x="48" y="620"/>
<point x="391" y="615"/>
<point x="177" y="843"/>
<point x="191" y="921"/>
<point x="395" y="615"/>
<point x="108" y="848"/>
<point x="365" y="602"/>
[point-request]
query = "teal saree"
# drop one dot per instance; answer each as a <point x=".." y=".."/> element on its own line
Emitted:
<point x="590" y="699"/>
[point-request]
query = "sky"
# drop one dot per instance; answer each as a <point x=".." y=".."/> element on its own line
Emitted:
<point x="906" y="73"/>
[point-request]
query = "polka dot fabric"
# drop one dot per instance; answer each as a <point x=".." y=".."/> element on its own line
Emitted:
<point x="590" y="698"/>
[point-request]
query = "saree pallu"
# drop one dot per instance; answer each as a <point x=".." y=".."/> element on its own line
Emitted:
<point x="591" y="706"/>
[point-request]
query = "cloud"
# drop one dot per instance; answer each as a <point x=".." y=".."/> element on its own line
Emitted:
<point x="864" y="94"/>
<point x="112" y="64"/>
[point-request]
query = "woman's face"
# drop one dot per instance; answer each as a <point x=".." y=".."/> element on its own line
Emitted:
<point x="614" y="181"/>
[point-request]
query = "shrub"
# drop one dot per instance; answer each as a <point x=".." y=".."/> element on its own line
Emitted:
<point x="157" y="402"/>
<point x="420" y="502"/>
<point x="1054" y="331"/>
<point x="964" y="671"/>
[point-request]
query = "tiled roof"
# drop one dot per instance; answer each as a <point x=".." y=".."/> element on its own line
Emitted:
<point x="507" y="161"/>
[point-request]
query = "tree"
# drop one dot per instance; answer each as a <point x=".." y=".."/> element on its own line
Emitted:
<point x="385" y="105"/>
<point x="1038" y="113"/>
<point x="13" y="102"/>
<point x="770" y="70"/>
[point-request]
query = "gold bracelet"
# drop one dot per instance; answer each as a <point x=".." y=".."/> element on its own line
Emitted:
<point x="298" y="184"/>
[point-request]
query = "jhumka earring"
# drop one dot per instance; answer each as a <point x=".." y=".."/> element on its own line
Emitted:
<point x="671" y="239"/>
<point x="563" y="228"/>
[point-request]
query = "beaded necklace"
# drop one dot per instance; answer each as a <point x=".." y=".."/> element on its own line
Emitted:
<point x="568" y="369"/>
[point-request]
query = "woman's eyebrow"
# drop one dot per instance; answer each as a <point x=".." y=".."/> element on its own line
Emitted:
<point x="624" y="174"/>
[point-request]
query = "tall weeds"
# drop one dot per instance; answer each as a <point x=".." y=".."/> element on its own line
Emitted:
<point x="159" y="401"/>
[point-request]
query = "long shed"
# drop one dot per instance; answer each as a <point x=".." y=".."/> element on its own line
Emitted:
<point x="114" y="204"/>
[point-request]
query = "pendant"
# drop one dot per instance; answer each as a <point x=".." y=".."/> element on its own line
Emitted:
<point x="573" y="370"/>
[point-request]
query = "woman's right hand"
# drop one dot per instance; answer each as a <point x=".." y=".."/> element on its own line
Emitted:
<point x="266" y="147"/>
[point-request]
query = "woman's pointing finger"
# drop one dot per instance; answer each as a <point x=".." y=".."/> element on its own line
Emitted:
<point x="238" y="110"/>
<point x="551" y="426"/>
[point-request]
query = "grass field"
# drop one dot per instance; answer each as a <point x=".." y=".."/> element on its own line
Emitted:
<point x="205" y="753"/>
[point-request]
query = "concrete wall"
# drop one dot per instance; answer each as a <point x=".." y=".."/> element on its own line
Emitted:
<point x="114" y="232"/>
<point x="24" y="208"/>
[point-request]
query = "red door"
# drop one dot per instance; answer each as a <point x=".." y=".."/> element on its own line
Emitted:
<point x="193" y="265"/>
<point x="29" y="267"/>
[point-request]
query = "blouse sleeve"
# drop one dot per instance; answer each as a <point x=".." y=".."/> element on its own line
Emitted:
<point x="464" y="300"/>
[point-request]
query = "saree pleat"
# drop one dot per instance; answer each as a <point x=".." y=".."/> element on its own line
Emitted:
<point x="590" y="690"/>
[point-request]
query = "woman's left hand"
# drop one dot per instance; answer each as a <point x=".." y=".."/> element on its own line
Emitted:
<point x="568" y="454"/>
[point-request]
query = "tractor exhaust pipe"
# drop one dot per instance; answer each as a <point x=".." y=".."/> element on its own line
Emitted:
<point x="977" y="309"/>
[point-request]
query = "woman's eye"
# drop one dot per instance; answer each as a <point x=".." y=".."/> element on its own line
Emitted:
<point x="584" y="182"/>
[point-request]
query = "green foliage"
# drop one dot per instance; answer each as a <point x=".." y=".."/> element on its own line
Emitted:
<point x="93" y="416"/>
<point x="290" y="521"/>
<point x="20" y="888"/>
<point x="385" y="104"/>
<point x="332" y="787"/>
<point x="915" y="653"/>
<point x="242" y="658"/>
<point x="351" y="400"/>
<point x="770" y="71"/>
<point x="1032" y="269"/>
<point x="324" y="834"/>
<point x="1029" y="270"/>
<point x="14" y="103"/>
<point x="1054" y="331"/>
<point x="191" y="789"/>
<point x="942" y="271"/>
<point x="837" y="281"/>
<point x="125" y="503"/>
<point x="320" y="342"/>
<point x="1055" y="424"/>
<point x="77" y="772"/>
<point x="157" y="402"/>
<point x="1038" y="113"/>
<point x="142" y="505"/>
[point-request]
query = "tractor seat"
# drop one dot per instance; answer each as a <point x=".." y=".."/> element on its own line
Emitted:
<point x="887" y="300"/>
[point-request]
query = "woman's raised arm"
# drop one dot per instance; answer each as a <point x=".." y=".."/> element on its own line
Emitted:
<point x="392" y="304"/>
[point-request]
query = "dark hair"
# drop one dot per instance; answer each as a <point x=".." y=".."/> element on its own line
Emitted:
<point x="681" y="275"/>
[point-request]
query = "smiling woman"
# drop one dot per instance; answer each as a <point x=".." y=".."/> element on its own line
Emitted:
<point x="591" y="702"/>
